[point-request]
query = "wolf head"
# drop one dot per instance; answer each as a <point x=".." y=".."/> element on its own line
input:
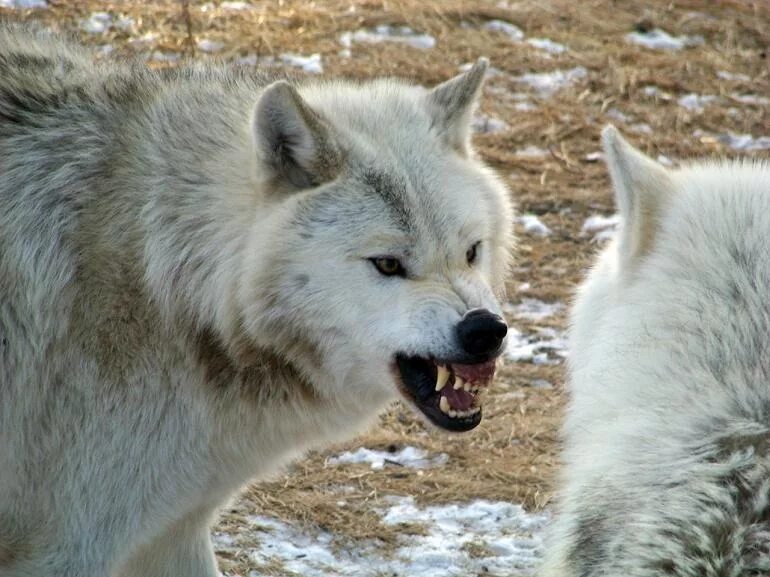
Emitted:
<point x="378" y="259"/>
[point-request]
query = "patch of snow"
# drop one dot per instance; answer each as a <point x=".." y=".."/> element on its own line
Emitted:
<point x="751" y="99"/>
<point x="616" y="114"/>
<point x="483" y="124"/>
<point x="725" y="75"/>
<point x="509" y="538"/>
<point x="97" y="23"/>
<point x="641" y="128"/>
<point x="524" y="107"/>
<point x="658" y="39"/>
<point x="23" y="4"/>
<point x="387" y="33"/>
<point x="531" y="152"/>
<point x="124" y="23"/>
<point x="411" y="457"/>
<point x="207" y="45"/>
<point x="547" y="84"/>
<point x="145" y="39"/>
<point x="533" y="225"/>
<point x="655" y="92"/>
<point x="745" y="142"/>
<point x="525" y="286"/>
<point x="548" y="45"/>
<point x="594" y="157"/>
<point x="696" y="102"/>
<point x="533" y="309"/>
<point x="235" y="6"/>
<point x="311" y="64"/>
<point x="602" y="227"/>
<point x="537" y="348"/>
<point x="159" y="56"/>
<point x="511" y="30"/>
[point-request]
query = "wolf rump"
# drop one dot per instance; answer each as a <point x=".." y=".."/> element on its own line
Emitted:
<point x="204" y="273"/>
<point x="667" y="457"/>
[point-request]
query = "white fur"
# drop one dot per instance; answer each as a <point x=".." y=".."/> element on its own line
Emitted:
<point x="669" y="376"/>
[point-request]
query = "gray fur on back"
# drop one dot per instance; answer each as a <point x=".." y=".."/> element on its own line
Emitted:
<point x="187" y="294"/>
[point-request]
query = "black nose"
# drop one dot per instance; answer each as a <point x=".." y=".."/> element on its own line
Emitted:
<point x="481" y="331"/>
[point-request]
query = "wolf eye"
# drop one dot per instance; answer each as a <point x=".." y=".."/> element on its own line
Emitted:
<point x="388" y="266"/>
<point x="470" y="254"/>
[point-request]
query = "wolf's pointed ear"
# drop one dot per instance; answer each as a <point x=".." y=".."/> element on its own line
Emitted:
<point x="452" y="104"/>
<point x="292" y="139"/>
<point x="641" y="186"/>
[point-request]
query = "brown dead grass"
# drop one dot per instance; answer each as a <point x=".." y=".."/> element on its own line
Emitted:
<point x="512" y="455"/>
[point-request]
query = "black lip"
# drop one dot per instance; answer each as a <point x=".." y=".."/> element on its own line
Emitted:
<point x="418" y="382"/>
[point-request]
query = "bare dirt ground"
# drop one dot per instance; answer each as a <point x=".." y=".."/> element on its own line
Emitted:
<point x="513" y="454"/>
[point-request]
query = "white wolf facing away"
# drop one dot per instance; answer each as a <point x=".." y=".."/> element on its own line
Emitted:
<point x="667" y="457"/>
<point x="203" y="274"/>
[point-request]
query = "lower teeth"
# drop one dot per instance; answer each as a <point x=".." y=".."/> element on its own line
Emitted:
<point x="446" y="409"/>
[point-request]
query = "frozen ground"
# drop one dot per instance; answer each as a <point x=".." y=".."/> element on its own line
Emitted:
<point x="479" y="537"/>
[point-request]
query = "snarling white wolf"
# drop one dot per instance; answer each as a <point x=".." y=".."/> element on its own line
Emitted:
<point x="204" y="273"/>
<point x="667" y="457"/>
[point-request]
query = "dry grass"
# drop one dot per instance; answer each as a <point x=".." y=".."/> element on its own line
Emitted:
<point x="512" y="455"/>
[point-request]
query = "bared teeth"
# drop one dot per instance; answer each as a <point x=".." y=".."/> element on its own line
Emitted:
<point x="442" y="376"/>
<point x="444" y="406"/>
<point x="458" y="383"/>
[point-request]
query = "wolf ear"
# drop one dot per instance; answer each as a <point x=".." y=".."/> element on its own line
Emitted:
<point x="452" y="104"/>
<point x="293" y="139"/>
<point x="641" y="188"/>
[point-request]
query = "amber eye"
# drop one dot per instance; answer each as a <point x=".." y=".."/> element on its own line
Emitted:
<point x="388" y="266"/>
<point x="471" y="253"/>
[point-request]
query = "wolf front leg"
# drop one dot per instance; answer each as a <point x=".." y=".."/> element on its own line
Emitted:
<point x="184" y="550"/>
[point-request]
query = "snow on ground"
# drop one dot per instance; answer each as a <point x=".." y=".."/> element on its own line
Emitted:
<point x="547" y="84"/>
<point x="160" y="56"/>
<point x="602" y="227"/>
<point x="658" y="39"/>
<point x="311" y="64"/>
<point x="533" y="309"/>
<point x="656" y="92"/>
<point x="411" y="457"/>
<point x="548" y="45"/>
<point x="206" y="45"/>
<point x="235" y="6"/>
<point x="726" y="75"/>
<point x="547" y="347"/>
<point x="745" y="142"/>
<point x="480" y="537"/>
<point x="101" y="22"/>
<point x="533" y="225"/>
<point x="511" y="30"/>
<point x="696" y="102"/>
<point x="531" y="152"/>
<point x="751" y="99"/>
<point x="483" y="124"/>
<point x="387" y="33"/>
<point x="23" y="4"/>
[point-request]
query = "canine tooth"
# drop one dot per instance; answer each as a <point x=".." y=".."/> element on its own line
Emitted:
<point x="444" y="405"/>
<point x="442" y="376"/>
<point x="458" y="383"/>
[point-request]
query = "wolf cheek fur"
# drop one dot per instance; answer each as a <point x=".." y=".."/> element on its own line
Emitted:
<point x="189" y="296"/>
<point x="667" y="438"/>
